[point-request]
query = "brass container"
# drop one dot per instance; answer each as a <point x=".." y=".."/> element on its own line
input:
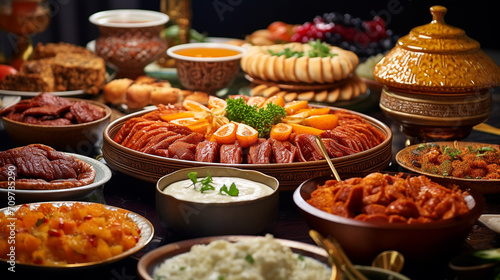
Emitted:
<point x="437" y="82"/>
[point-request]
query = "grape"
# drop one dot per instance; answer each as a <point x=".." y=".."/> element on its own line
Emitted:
<point x="363" y="37"/>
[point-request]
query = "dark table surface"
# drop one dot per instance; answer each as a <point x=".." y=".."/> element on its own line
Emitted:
<point x="138" y="196"/>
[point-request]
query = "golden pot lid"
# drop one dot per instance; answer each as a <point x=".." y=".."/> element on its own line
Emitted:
<point x="437" y="58"/>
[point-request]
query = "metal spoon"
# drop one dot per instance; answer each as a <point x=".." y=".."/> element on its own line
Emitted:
<point x="327" y="157"/>
<point x="337" y="257"/>
<point x="390" y="260"/>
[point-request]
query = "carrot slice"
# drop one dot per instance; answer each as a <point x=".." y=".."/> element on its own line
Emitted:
<point x="216" y="102"/>
<point x="196" y="125"/>
<point x="275" y="99"/>
<point x="246" y="135"/>
<point x="256" y="100"/>
<point x="315" y="111"/>
<point x="174" y="116"/>
<point x="281" y="131"/>
<point x="200" y="126"/>
<point x="296" y="105"/>
<point x="298" y="128"/>
<point x="184" y="121"/>
<point x="226" y="134"/>
<point x="195" y="106"/>
<point x="325" y="122"/>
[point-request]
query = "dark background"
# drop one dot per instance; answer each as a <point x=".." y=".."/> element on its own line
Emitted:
<point x="237" y="18"/>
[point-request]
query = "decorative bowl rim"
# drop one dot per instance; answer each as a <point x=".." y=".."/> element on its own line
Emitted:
<point x="152" y="18"/>
<point x="171" y="52"/>
<point x="106" y="117"/>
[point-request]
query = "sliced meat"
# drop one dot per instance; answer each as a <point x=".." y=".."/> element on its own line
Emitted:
<point x="50" y="110"/>
<point x="231" y="153"/>
<point x="260" y="152"/>
<point x="207" y="151"/>
<point x="161" y="145"/>
<point x="283" y="151"/>
<point x="308" y="149"/>
<point x="185" y="147"/>
<point x="85" y="112"/>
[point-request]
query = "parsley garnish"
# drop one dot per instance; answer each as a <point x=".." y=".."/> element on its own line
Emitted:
<point x="39" y="222"/>
<point x="287" y="52"/>
<point x="262" y="119"/>
<point x="318" y="49"/>
<point x="233" y="190"/>
<point x="249" y="259"/>
<point x="206" y="183"/>
<point x="453" y="153"/>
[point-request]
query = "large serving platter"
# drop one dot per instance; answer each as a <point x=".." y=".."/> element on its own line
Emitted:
<point x="151" y="167"/>
<point x="484" y="186"/>
<point x="146" y="230"/>
<point x="103" y="175"/>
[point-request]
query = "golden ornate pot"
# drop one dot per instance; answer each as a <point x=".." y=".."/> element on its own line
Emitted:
<point x="437" y="81"/>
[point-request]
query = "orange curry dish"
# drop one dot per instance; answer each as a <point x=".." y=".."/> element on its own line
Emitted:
<point x="383" y="198"/>
<point x="67" y="234"/>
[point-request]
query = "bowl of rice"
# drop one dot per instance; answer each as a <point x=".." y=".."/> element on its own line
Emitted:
<point x="243" y="257"/>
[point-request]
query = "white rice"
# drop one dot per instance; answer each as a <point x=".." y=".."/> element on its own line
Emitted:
<point x="261" y="258"/>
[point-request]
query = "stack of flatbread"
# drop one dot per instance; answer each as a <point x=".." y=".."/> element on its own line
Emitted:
<point x="274" y="72"/>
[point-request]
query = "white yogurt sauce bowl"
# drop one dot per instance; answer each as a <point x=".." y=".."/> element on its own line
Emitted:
<point x="210" y="213"/>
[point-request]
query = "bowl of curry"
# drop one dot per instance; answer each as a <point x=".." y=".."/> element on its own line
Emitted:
<point x="423" y="220"/>
<point x="469" y="164"/>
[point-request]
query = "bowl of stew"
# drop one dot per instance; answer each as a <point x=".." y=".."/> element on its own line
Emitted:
<point x="423" y="220"/>
<point x="206" y="67"/>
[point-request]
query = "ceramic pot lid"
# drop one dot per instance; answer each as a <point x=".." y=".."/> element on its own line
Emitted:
<point x="437" y="58"/>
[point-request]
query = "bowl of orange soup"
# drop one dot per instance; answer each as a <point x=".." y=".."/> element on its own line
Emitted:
<point x="206" y="67"/>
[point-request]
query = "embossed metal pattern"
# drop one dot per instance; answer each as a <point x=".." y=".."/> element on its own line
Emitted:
<point x="437" y="58"/>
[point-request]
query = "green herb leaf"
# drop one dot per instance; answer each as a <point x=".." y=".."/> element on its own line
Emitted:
<point x="233" y="190"/>
<point x="39" y="222"/>
<point x="287" y="52"/>
<point x="319" y="49"/>
<point x="192" y="177"/>
<point x="262" y="119"/>
<point x="249" y="259"/>
<point x="206" y="183"/>
<point x="301" y="257"/>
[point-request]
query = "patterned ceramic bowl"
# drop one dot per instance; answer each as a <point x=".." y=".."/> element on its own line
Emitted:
<point x="129" y="39"/>
<point x="206" y="67"/>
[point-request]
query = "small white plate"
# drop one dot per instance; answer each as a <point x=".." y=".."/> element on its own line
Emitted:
<point x="103" y="175"/>
<point x="492" y="221"/>
<point x="9" y="100"/>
